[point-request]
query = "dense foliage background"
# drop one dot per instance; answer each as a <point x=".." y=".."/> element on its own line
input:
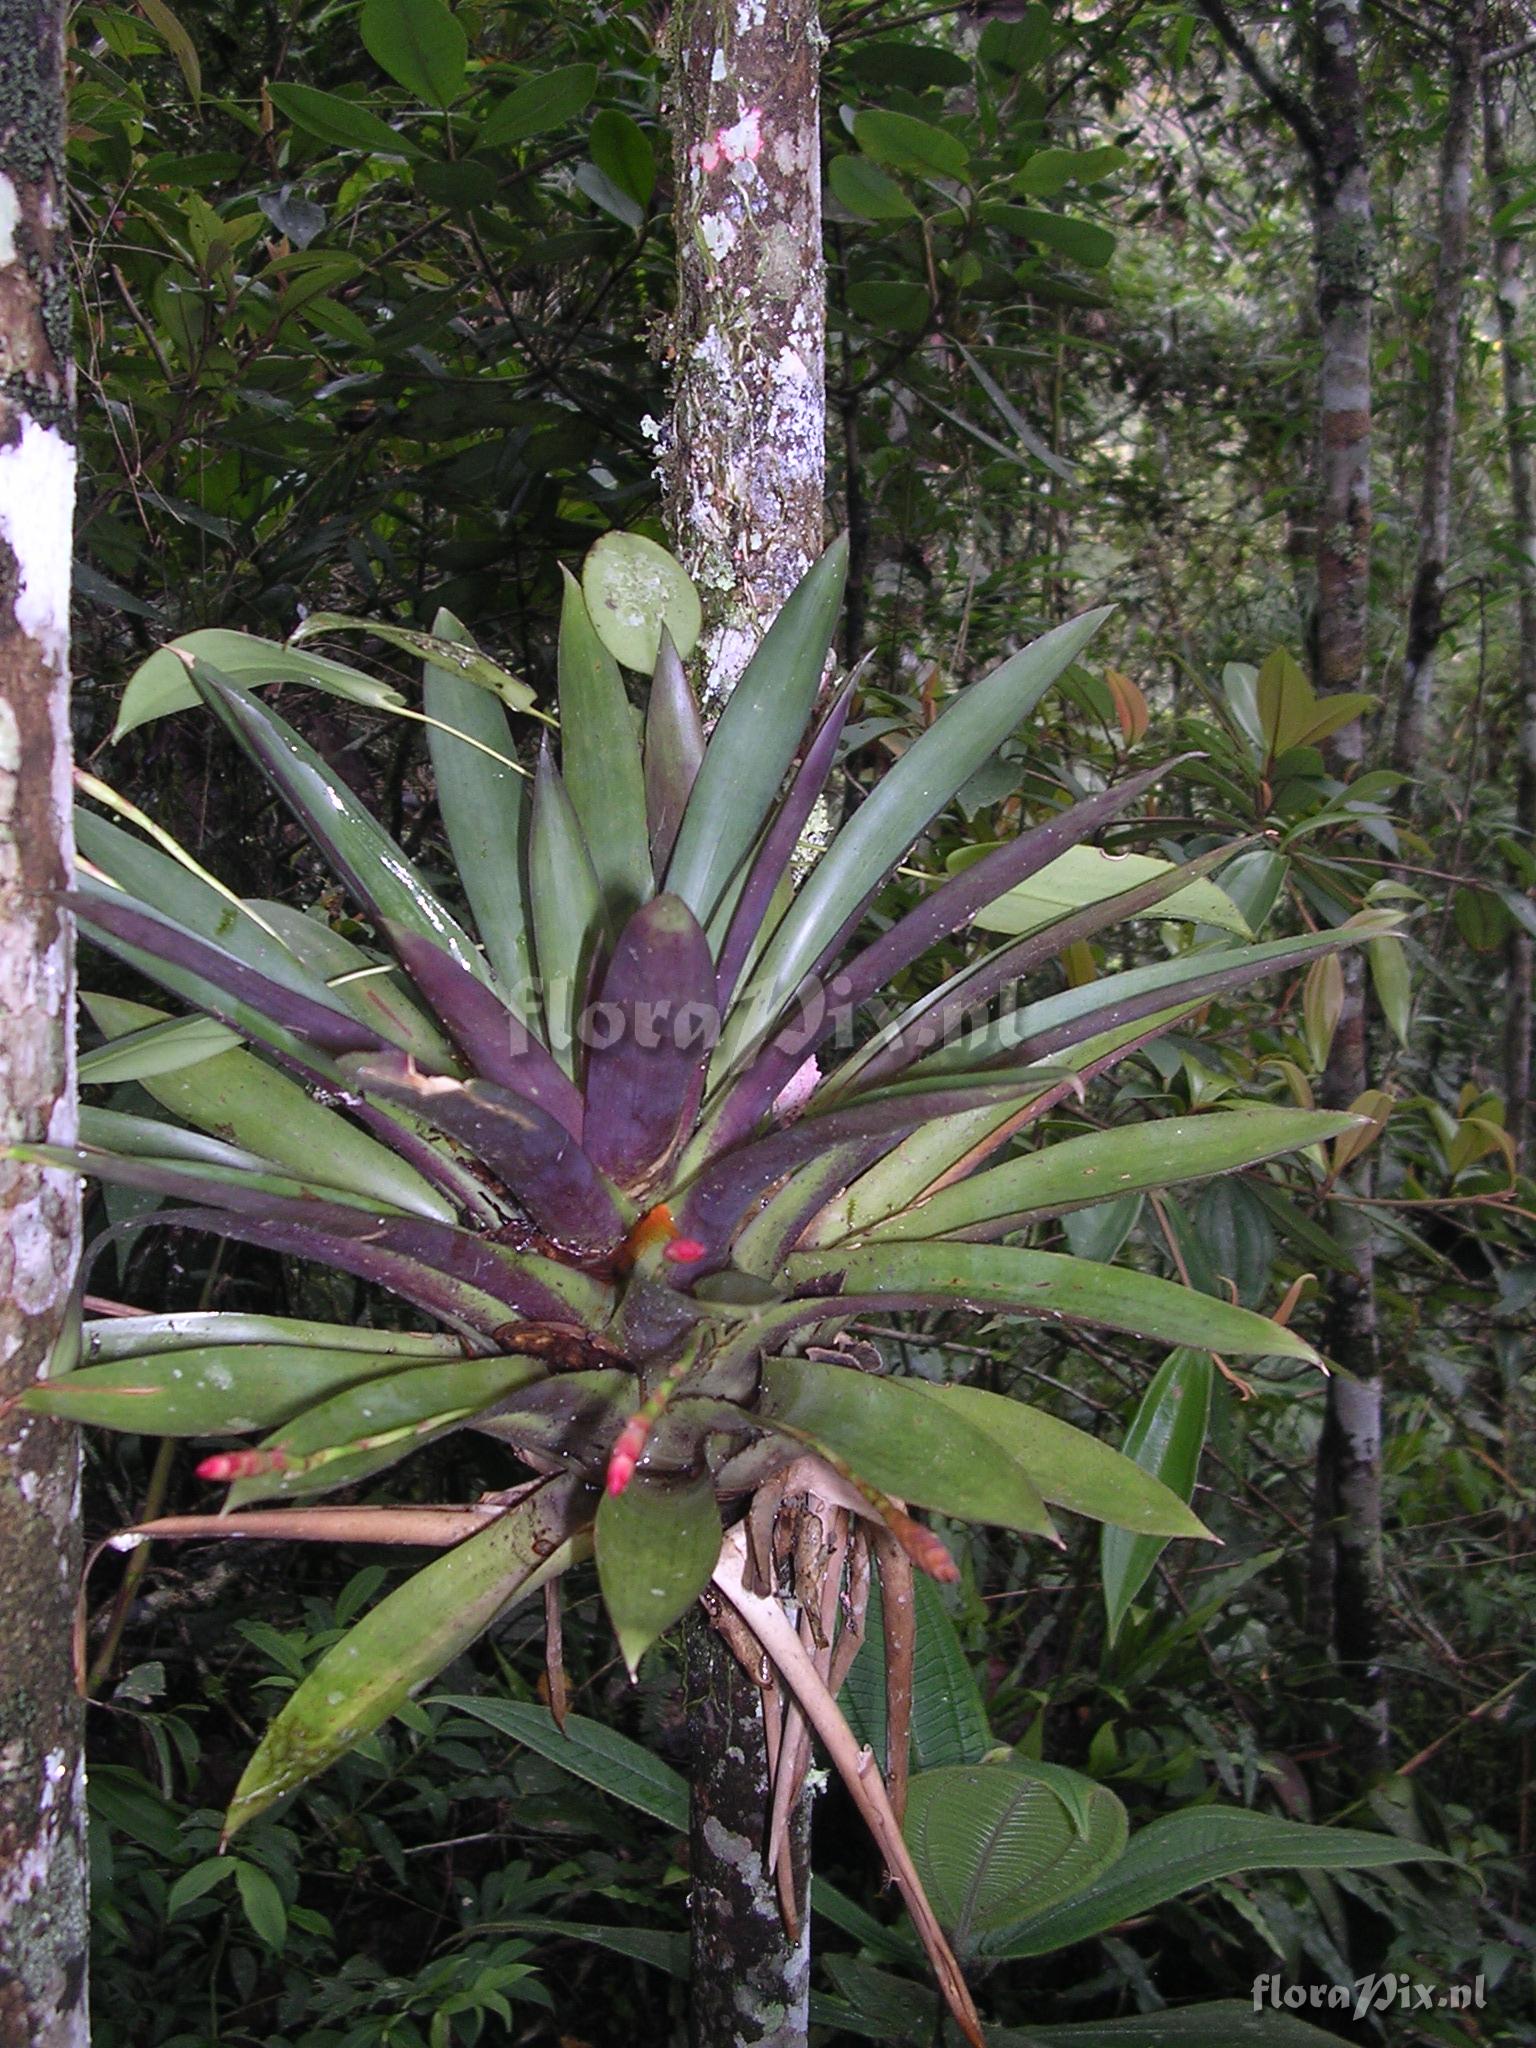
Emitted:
<point x="342" y="350"/>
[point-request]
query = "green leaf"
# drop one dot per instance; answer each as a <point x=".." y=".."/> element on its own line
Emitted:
<point x="891" y="1437"/>
<point x="158" y="1049"/>
<point x="1193" y="1848"/>
<point x="1086" y="875"/>
<point x="194" y="1883"/>
<point x="633" y="588"/>
<point x="1071" y="1469"/>
<point x="903" y="143"/>
<point x="355" y="979"/>
<point x="207" y="1390"/>
<point x="1226" y="2023"/>
<point x="949" y="1722"/>
<point x="601" y="762"/>
<point x="1285" y="703"/>
<point x="367" y="1427"/>
<point x="1084" y="241"/>
<point x="239" y="1098"/>
<point x="990" y="1839"/>
<point x="567" y="908"/>
<point x="1075" y="1173"/>
<point x="453" y="651"/>
<point x="657" y="1543"/>
<point x="263" y="1903"/>
<point x="408" y="1638"/>
<point x="484" y="810"/>
<point x="756" y="738"/>
<point x="1046" y="171"/>
<point x="622" y="151"/>
<point x="903" y="803"/>
<point x="589" y="1750"/>
<point x="1050" y="1284"/>
<point x="1166" y="1439"/>
<point x="866" y="191"/>
<point x="538" y="105"/>
<point x="1099" y="1231"/>
<point x="900" y="305"/>
<point x="910" y="1167"/>
<point x="420" y="44"/>
<point x="356" y="845"/>
<point x="1393" y="984"/>
<point x="344" y="124"/>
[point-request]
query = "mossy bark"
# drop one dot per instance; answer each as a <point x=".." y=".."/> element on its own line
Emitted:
<point x="744" y="464"/>
<point x="42" y="1802"/>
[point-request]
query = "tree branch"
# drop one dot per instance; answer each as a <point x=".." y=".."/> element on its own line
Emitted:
<point x="1290" y="106"/>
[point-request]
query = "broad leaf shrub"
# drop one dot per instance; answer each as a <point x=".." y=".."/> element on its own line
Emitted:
<point x="636" y="1139"/>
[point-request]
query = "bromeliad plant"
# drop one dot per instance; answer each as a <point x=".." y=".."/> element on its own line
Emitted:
<point x="633" y="1154"/>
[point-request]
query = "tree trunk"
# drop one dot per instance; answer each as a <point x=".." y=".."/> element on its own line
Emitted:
<point x="1347" y="1574"/>
<point x="1443" y="349"/>
<point x="744" y="458"/>
<point x="42" y="1784"/>
<point x="1509" y="298"/>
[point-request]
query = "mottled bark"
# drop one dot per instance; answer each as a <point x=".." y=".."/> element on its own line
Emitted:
<point x="1347" y="1575"/>
<point x="1509" y="299"/>
<point x="42" y="1799"/>
<point x="1426" y="622"/>
<point x="745" y="457"/>
<point x="744" y="461"/>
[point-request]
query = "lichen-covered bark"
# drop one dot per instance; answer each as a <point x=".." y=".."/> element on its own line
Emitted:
<point x="745" y="452"/>
<point x="749" y="1986"/>
<point x="1347" y="1582"/>
<point x="42" y="1804"/>
<point x="1443" y="357"/>
<point x="744" y="465"/>
<point x="1510" y="299"/>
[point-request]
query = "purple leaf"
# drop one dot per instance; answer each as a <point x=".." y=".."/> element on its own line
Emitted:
<point x="491" y="1035"/>
<point x="658" y="1000"/>
<point x="730" y="1188"/>
<point x="783" y="836"/>
<point x="533" y="1156"/>
<point x="330" y="1031"/>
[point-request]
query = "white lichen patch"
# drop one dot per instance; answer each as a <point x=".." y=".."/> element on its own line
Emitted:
<point x="10" y="214"/>
<point x="718" y="236"/>
<point x="37" y="507"/>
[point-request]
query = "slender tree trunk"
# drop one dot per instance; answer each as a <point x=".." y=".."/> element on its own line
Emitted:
<point x="1443" y="350"/>
<point x="745" y="463"/>
<point x="1510" y="297"/>
<point x="1347" y="1576"/>
<point x="42" y="1782"/>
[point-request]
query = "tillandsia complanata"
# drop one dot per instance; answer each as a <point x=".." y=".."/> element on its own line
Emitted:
<point x="633" y="1136"/>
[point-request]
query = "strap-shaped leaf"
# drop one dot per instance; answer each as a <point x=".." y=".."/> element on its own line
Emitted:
<point x="887" y="1434"/>
<point x="1076" y="1172"/>
<point x="657" y="1543"/>
<point x="770" y="864"/>
<point x="162" y="685"/>
<point x="903" y="803"/>
<point x="1223" y="2023"/>
<point x="464" y="658"/>
<point x="756" y="737"/>
<point x="363" y="1429"/>
<point x="237" y="1097"/>
<point x="568" y="922"/>
<point x="370" y="987"/>
<point x="674" y="747"/>
<point x="116" y="1337"/>
<point x="1196" y="1847"/>
<point x="484" y="809"/>
<point x="492" y="1037"/>
<point x="1165" y="1438"/>
<point x="534" y="1156"/>
<point x="210" y="1389"/>
<point x="1019" y="1282"/>
<point x="1072" y="1469"/>
<point x="373" y="867"/>
<point x="600" y="760"/>
<point x="658" y="1017"/>
<point x="250" y="1191"/>
<point x="989" y="1838"/>
<point x="408" y="1638"/>
<point x="589" y="1750"/>
<point x="1039" y="1030"/>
